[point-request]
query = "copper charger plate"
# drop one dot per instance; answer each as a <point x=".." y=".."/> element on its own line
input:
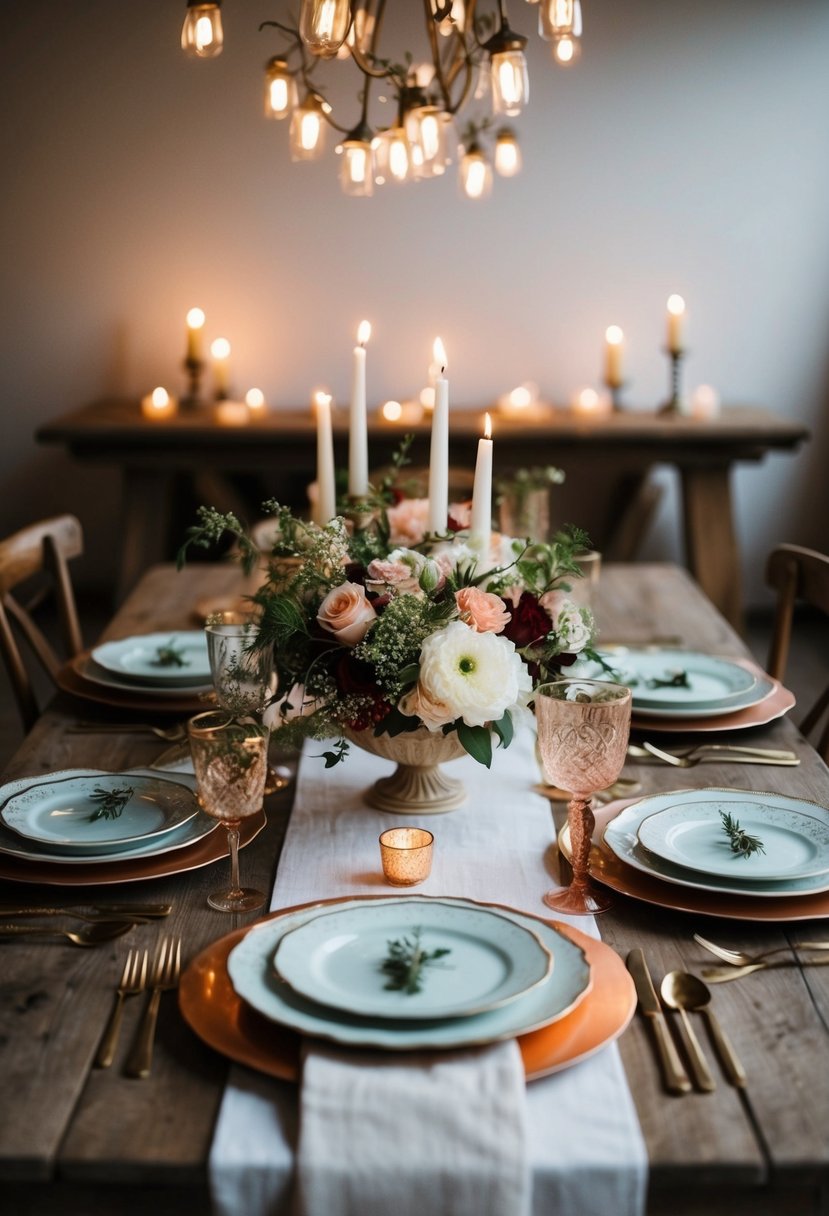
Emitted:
<point x="606" y="868"/>
<point x="201" y="853"/>
<point x="214" y="1011"/>
<point x="72" y="680"/>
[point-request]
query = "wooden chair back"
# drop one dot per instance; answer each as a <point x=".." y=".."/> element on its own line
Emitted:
<point x="41" y="549"/>
<point x="798" y="574"/>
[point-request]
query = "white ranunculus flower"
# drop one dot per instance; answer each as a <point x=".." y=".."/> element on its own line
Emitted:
<point x="574" y="627"/>
<point x="478" y="676"/>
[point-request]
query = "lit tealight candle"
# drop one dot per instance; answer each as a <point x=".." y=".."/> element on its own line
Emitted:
<point x="255" y="401"/>
<point x="588" y="402"/>
<point x="676" y="320"/>
<point x="439" y="448"/>
<point x="231" y="413"/>
<point x="195" y="325"/>
<point x="614" y="345"/>
<point x="158" y="404"/>
<point x="358" y="422"/>
<point x="402" y="413"/>
<point x="325" y="507"/>
<point x="480" y="527"/>
<point x="220" y="350"/>
<point x="705" y="402"/>
<point x="392" y="411"/>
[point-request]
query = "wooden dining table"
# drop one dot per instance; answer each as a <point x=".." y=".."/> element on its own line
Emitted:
<point x="79" y="1140"/>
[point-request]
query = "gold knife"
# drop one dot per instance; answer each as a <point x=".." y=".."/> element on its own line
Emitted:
<point x="676" y="1078"/>
<point x="144" y="911"/>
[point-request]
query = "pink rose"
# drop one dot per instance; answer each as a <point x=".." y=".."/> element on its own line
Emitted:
<point x="346" y="613"/>
<point x="420" y="704"/>
<point x="481" y="610"/>
<point x="397" y="574"/>
<point x="408" y="521"/>
<point x="461" y="513"/>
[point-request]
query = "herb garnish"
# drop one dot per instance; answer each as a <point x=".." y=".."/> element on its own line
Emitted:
<point x="406" y="961"/>
<point x="672" y="679"/>
<point x="110" y="803"/>
<point x="169" y="656"/>
<point x="741" y="843"/>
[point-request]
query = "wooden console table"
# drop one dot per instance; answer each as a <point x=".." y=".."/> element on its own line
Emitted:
<point x="607" y="461"/>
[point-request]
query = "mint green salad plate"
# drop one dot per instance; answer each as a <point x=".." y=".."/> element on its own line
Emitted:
<point x="336" y="959"/>
<point x="139" y="659"/>
<point x="712" y="685"/>
<point x="794" y="844"/>
<point x="254" y="978"/>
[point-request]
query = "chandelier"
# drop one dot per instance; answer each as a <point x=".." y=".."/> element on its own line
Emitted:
<point x="470" y="60"/>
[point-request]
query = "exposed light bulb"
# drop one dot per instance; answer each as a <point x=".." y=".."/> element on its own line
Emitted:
<point x="323" y="26"/>
<point x="476" y="174"/>
<point x="507" y="154"/>
<point x="201" y="34"/>
<point x="280" y="89"/>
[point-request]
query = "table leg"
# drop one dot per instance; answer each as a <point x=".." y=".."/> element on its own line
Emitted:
<point x="146" y="504"/>
<point x="710" y="538"/>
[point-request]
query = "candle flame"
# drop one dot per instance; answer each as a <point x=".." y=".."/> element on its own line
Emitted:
<point x="364" y="332"/>
<point x="254" y="399"/>
<point x="439" y="354"/>
<point x="321" y="398"/>
<point x="195" y="318"/>
<point x="220" y="348"/>
<point x="160" y="397"/>
<point x="487" y="427"/>
<point x="392" y="411"/>
<point x="676" y="305"/>
<point x="520" y="396"/>
<point x="588" y="399"/>
<point x="613" y="335"/>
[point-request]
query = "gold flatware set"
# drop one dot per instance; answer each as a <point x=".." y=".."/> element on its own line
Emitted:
<point x="730" y="753"/>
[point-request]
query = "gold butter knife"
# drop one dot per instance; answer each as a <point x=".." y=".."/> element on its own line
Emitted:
<point x="676" y="1078"/>
<point x="94" y="912"/>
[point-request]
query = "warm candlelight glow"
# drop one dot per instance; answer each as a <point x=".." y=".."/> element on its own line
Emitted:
<point x="676" y="318"/>
<point x="322" y="398"/>
<point x="158" y="404"/>
<point x="705" y="402"/>
<point x="588" y="401"/>
<point x="427" y="398"/>
<point x="676" y="305"/>
<point x="613" y="335"/>
<point x="364" y="332"/>
<point x="220" y="348"/>
<point x="439" y="354"/>
<point x="255" y="399"/>
<point x="613" y="356"/>
<point x="487" y="427"/>
<point x="195" y="318"/>
<point x="231" y="413"/>
<point x="520" y="397"/>
<point x="392" y="411"/>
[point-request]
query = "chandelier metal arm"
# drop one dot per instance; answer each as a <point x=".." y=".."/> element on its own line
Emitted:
<point x="431" y="26"/>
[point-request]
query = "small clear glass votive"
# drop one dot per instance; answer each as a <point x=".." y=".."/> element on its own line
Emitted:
<point x="406" y="854"/>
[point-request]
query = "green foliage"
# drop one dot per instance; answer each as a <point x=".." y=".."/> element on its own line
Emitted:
<point x="404" y="965"/>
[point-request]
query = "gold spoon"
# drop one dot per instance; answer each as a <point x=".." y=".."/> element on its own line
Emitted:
<point x="675" y="995"/>
<point x="690" y="992"/>
<point x="87" y="935"/>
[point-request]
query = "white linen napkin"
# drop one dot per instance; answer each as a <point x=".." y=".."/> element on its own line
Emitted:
<point x="583" y="1145"/>
<point x="411" y="1134"/>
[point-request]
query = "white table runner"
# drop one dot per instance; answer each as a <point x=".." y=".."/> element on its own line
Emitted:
<point x="584" y="1146"/>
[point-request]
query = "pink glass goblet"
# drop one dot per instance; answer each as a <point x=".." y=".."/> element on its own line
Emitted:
<point x="583" y="729"/>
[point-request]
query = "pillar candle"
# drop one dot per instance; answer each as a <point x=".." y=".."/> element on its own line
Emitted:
<point x="358" y="423"/>
<point x="326" y="504"/>
<point x="439" y="450"/>
<point x="480" y="527"/>
<point x="614" y="339"/>
<point x="676" y="320"/>
<point x="220" y="350"/>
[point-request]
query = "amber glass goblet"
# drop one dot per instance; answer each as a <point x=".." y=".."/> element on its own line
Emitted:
<point x="583" y="729"/>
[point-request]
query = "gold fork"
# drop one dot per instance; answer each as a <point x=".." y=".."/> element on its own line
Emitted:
<point x="172" y="734"/>
<point x="133" y="980"/>
<point x="165" y="975"/>
<point x="727" y="755"/>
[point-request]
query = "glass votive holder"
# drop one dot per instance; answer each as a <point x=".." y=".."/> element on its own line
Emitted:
<point x="406" y="855"/>
<point x="582" y="590"/>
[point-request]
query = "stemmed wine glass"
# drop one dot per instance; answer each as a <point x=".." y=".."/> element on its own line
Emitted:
<point x="583" y="730"/>
<point x="230" y="760"/>
<point x="242" y="670"/>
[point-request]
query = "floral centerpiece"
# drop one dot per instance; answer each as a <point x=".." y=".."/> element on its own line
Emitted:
<point x="380" y="629"/>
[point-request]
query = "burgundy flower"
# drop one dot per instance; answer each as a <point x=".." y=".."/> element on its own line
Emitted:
<point x="529" y="621"/>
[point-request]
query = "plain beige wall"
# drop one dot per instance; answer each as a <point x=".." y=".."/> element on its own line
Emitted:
<point x="688" y="151"/>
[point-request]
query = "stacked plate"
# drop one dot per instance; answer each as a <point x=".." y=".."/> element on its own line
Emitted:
<point x="155" y="670"/>
<point x="488" y="973"/>
<point x="687" y="690"/>
<point x="673" y="850"/>
<point x="87" y="818"/>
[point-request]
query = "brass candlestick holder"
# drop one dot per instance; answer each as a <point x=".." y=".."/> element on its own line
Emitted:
<point x="676" y="403"/>
<point x="195" y="370"/>
<point x="615" y="390"/>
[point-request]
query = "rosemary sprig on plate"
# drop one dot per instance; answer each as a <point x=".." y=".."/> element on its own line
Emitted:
<point x="109" y="803"/>
<point x="406" y="961"/>
<point x="672" y="679"/>
<point x="169" y="655"/>
<point x="741" y="843"/>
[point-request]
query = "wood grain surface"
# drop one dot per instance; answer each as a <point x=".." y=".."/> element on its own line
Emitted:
<point x="74" y="1139"/>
